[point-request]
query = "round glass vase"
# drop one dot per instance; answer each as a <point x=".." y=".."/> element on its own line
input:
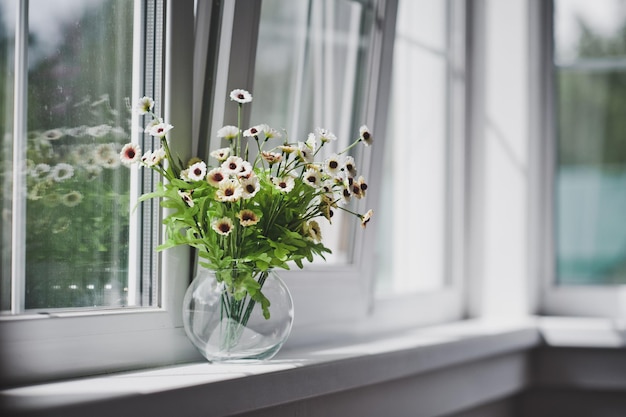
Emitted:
<point x="227" y="329"/>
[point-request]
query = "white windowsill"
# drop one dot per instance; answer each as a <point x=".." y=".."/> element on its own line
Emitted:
<point x="297" y="374"/>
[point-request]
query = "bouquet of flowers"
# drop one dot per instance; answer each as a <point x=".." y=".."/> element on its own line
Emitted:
<point x="257" y="206"/>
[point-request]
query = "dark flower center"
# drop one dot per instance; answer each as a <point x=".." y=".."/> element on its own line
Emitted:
<point x="228" y="192"/>
<point x="333" y="164"/>
<point x="250" y="188"/>
<point x="224" y="227"/>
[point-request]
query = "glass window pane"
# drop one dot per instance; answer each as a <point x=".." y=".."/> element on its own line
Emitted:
<point x="591" y="165"/>
<point x="309" y="73"/>
<point x="80" y="61"/>
<point x="589" y="29"/>
<point x="412" y="237"/>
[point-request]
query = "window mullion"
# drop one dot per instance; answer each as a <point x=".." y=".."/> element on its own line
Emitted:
<point x="18" y="227"/>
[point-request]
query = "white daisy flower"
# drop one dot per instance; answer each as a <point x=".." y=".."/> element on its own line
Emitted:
<point x="366" y="218"/>
<point x="240" y="96"/>
<point x="312" y="177"/>
<point x="349" y="166"/>
<point x="232" y="165"/>
<point x="197" y="171"/>
<point x="159" y="130"/>
<point x="221" y="154"/>
<point x="365" y="135"/>
<point x="288" y="148"/>
<point x="61" y="172"/>
<point x="313" y="231"/>
<point x="152" y="123"/>
<point x="144" y="105"/>
<point x="151" y="159"/>
<point x="255" y="131"/>
<point x="284" y="184"/>
<point x="311" y="142"/>
<point x="250" y="187"/>
<point x="229" y="190"/>
<point x="228" y="132"/>
<point x="131" y="153"/>
<point x="245" y="170"/>
<point x="346" y="196"/>
<point x="362" y="185"/>
<point x="215" y="177"/>
<point x="356" y="190"/>
<point x="271" y="133"/>
<point x="186" y="196"/>
<point x="271" y="157"/>
<point x="304" y="153"/>
<point x="223" y="226"/>
<point x="325" y="135"/>
<point x="332" y="165"/>
<point x="247" y="218"/>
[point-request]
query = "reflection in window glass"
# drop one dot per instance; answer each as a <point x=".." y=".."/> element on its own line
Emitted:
<point x="310" y="72"/>
<point x="590" y="82"/>
<point x="413" y="203"/>
<point x="80" y="61"/>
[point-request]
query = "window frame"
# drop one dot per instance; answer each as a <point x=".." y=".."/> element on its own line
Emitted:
<point x="554" y="299"/>
<point x="308" y="286"/>
<point x="356" y="281"/>
<point x="36" y="349"/>
<point x="448" y="302"/>
<point x="40" y="347"/>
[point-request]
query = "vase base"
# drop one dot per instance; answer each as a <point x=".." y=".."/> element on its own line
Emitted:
<point x="241" y="357"/>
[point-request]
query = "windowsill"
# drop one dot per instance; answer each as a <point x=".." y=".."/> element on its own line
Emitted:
<point x="299" y="373"/>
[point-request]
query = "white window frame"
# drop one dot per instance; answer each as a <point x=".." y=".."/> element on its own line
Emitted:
<point x="448" y="302"/>
<point x="322" y="294"/>
<point x="40" y="347"/>
<point x="570" y="300"/>
<point x="331" y="298"/>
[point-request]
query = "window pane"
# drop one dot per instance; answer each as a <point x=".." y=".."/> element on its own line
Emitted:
<point x="591" y="166"/>
<point x="76" y="219"/>
<point x="310" y="72"/>
<point x="413" y="204"/>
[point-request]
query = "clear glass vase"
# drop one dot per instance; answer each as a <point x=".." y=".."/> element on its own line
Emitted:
<point x="227" y="329"/>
